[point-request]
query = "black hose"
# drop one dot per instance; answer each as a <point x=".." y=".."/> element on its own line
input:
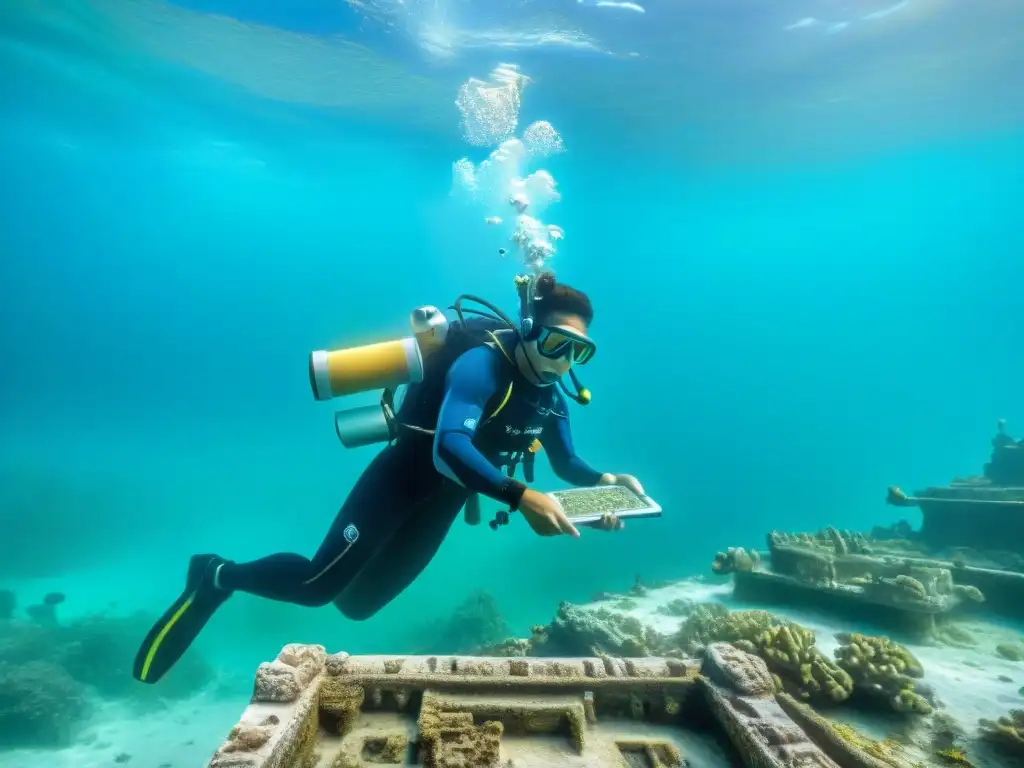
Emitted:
<point x="497" y="313"/>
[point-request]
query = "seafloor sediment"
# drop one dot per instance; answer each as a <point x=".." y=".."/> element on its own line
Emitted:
<point x="825" y="649"/>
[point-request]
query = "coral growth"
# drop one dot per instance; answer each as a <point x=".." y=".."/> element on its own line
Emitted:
<point x="883" y="668"/>
<point x="735" y="559"/>
<point x="788" y="648"/>
<point x="247" y="737"/>
<point x="452" y="738"/>
<point x="953" y="756"/>
<point x="474" y="624"/>
<point x="967" y="593"/>
<point x="40" y="705"/>
<point x="48" y="668"/>
<point x="714" y="623"/>
<point x="834" y="541"/>
<point x="1007" y="732"/>
<point x="675" y="607"/>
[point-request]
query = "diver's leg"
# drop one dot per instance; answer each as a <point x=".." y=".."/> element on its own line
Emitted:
<point x="397" y="564"/>
<point x="397" y="483"/>
<point x="388" y="489"/>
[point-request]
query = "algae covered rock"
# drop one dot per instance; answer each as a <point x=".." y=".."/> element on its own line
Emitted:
<point x="94" y="651"/>
<point x="738" y="670"/>
<point x="952" y="635"/>
<point x="883" y="668"/>
<point x="40" y="705"/>
<point x="844" y="743"/>
<point x="1007" y="732"/>
<point x="1010" y="651"/>
<point x="577" y="631"/>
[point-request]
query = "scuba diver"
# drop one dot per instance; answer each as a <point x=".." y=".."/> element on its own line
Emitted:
<point x="487" y="402"/>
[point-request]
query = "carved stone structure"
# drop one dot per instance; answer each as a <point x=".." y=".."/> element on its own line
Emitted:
<point x="982" y="513"/>
<point x="312" y="710"/>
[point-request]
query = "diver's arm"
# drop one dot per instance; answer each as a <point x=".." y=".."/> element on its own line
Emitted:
<point x="472" y="381"/>
<point x="564" y="461"/>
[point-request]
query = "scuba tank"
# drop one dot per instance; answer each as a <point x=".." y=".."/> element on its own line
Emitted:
<point x="386" y="365"/>
<point x="412" y="370"/>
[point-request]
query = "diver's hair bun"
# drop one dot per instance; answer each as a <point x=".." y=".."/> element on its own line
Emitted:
<point x="545" y="285"/>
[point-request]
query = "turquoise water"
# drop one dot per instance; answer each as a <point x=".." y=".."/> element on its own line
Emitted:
<point x="794" y="311"/>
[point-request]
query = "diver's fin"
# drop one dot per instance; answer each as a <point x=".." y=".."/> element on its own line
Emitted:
<point x="171" y="636"/>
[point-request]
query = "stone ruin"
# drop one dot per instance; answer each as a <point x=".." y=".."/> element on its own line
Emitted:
<point x="843" y="572"/>
<point x="314" y="710"/>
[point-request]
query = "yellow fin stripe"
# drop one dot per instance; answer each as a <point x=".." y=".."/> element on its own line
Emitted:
<point x="163" y="634"/>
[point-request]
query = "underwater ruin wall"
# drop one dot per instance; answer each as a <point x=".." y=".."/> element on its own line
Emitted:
<point x="314" y="710"/>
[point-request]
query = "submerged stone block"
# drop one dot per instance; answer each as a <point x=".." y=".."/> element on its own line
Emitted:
<point x="449" y="712"/>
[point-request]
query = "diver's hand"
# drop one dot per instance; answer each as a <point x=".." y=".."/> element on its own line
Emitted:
<point x="608" y="522"/>
<point x="544" y="515"/>
<point x="627" y="481"/>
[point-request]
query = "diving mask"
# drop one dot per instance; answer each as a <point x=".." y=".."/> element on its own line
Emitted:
<point x="556" y="343"/>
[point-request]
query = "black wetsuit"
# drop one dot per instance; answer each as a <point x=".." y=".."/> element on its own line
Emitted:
<point x="404" y="503"/>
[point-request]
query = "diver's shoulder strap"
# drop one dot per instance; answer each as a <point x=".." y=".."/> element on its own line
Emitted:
<point x="499" y="341"/>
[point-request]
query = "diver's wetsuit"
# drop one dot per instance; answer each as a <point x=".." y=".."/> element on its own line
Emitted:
<point x="403" y="504"/>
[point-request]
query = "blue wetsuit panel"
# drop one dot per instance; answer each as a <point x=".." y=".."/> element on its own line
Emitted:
<point x="468" y="445"/>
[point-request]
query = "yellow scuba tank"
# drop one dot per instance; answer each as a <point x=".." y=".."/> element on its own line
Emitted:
<point x="386" y="365"/>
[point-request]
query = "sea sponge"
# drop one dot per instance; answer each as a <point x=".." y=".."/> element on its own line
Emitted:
<point x="883" y="668"/>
